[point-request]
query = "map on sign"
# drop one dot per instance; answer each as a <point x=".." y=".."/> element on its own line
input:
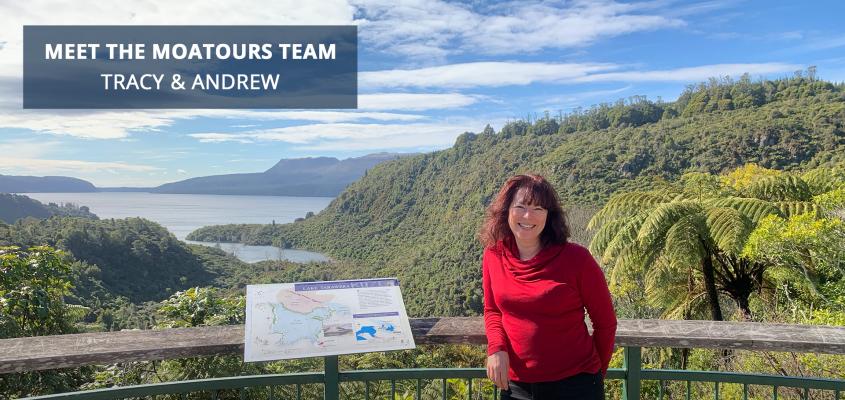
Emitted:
<point x="293" y="320"/>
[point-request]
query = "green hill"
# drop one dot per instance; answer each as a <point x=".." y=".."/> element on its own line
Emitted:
<point x="416" y="218"/>
<point x="132" y="257"/>
<point x="14" y="207"/>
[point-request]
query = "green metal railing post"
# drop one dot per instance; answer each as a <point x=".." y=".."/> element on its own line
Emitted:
<point x="331" y="388"/>
<point x="632" y="363"/>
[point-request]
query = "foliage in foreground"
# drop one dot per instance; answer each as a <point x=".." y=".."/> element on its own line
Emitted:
<point x="33" y="284"/>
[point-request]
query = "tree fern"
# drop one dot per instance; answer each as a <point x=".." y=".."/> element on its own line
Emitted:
<point x="779" y="188"/>
<point x="825" y="179"/>
<point x="625" y="205"/>
<point x="790" y="208"/>
<point x="729" y="228"/>
<point x="661" y="219"/>
<point x="678" y="294"/>
<point x="683" y="243"/>
<point x="754" y="209"/>
<point x="629" y="263"/>
<point x="665" y="237"/>
<point x="625" y="237"/>
<point x="605" y="235"/>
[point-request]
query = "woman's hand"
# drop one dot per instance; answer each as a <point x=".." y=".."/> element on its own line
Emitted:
<point x="497" y="369"/>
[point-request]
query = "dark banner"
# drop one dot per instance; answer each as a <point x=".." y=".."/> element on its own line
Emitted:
<point x="190" y="67"/>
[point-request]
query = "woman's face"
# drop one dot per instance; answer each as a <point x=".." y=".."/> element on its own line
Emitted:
<point x="526" y="220"/>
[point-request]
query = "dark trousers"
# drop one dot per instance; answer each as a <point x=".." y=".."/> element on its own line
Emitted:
<point x="581" y="387"/>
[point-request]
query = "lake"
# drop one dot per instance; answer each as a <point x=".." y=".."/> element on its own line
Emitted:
<point x="183" y="213"/>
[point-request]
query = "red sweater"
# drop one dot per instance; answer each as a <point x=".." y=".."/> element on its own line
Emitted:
<point x="534" y="310"/>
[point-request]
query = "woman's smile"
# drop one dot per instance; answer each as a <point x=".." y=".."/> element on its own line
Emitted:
<point x="526" y="221"/>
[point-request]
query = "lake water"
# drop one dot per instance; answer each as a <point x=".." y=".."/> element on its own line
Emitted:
<point x="183" y="213"/>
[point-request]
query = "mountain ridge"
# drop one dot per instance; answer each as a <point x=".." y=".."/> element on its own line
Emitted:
<point x="307" y="176"/>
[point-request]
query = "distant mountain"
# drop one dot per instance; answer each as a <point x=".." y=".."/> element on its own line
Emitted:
<point x="43" y="184"/>
<point x="312" y="176"/>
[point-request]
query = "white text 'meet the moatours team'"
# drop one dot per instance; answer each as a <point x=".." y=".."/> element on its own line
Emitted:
<point x="193" y="51"/>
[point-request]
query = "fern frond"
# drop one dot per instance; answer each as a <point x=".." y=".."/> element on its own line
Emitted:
<point x="662" y="218"/>
<point x="779" y="188"/>
<point x="668" y="288"/>
<point x="729" y="228"/>
<point x="625" y="205"/>
<point x="753" y="209"/>
<point x="630" y="263"/>
<point x="605" y="235"/>
<point x="695" y="301"/>
<point x="626" y="237"/>
<point x="790" y="208"/>
<point x="683" y="245"/>
<point x="823" y="179"/>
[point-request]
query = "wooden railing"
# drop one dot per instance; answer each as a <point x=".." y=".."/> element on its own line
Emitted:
<point x="64" y="351"/>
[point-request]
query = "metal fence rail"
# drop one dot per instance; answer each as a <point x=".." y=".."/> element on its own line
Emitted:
<point x="411" y="384"/>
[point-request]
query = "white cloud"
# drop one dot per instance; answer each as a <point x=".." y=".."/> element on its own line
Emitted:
<point x="576" y="99"/>
<point x="36" y="166"/>
<point x="120" y="124"/>
<point x="826" y="43"/>
<point x="473" y="74"/>
<point x="90" y="125"/>
<point x="702" y="7"/>
<point x="425" y="29"/>
<point x="692" y="74"/>
<point x="420" y="29"/>
<point x="495" y="74"/>
<point x="28" y="148"/>
<point x="353" y="136"/>
<point x="316" y="116"/>
<point x="774" y="36"/>
<point x="211" y="137"/>
<point x="414" y="101"/>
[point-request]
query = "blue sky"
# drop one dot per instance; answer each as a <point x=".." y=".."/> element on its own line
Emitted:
<point x="429" y="71"/>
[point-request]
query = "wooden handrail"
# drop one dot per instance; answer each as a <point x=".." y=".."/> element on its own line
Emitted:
<point x="65" y="351"/>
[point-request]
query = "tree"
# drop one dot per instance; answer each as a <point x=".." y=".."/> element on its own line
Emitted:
<point x="33" y="285"/>
<point x="699" y="228"/>
<point x="200" y="307"/>
<point x="655" y="233"/>
<point x="806" y="251"/>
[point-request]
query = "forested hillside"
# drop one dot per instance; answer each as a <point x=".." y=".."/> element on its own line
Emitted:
<point x="416" y="218"/>
<point x="132" y="258"/>
<point x="14" y="207"/>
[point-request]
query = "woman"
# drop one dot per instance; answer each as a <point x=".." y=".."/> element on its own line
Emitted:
<point x="536" y="288"/>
